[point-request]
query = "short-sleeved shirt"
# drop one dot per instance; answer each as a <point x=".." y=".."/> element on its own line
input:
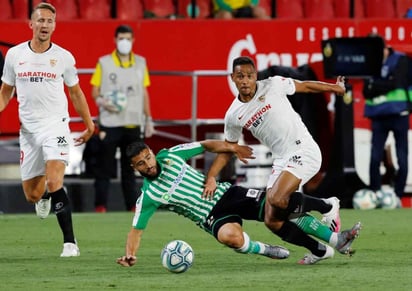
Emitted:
<point x="39" y="79"/>
<point x="270" y="117"/>
<point x="178" y="187"/>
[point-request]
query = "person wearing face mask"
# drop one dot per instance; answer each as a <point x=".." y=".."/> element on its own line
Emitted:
<point x="119" y="87"/>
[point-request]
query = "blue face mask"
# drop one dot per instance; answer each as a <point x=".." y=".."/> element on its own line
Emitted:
<point x="124" y="46"/>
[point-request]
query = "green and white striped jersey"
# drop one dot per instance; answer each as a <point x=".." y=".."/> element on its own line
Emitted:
<point x="178" y="187"/>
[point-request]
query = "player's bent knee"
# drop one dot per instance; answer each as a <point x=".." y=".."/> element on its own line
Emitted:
<point x="54" y="185"/>
<point x="32" y="197"/>
<point x="272" y="223"/>
<point x="230" y="237"/>
<point x="278" y="201"/>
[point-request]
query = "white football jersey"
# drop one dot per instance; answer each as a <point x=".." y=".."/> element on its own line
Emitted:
<point x="270" y="117"/>
<point x="39" y="79"/>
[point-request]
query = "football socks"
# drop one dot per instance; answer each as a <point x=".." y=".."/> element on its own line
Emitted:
<point x="62" y="209"/>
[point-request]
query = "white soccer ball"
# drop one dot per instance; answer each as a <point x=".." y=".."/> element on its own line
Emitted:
<point x="365" y="199"/>
<point x="177" y="256"/>
<point x="387" y="199"/>
<point x="117" y="99"/>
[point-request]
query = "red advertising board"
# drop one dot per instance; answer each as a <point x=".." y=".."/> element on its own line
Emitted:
<point x="185" y="46"/>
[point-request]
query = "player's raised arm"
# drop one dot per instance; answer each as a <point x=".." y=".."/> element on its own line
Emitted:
<point x="319" y="87"/>
<point x="243" y="152"/>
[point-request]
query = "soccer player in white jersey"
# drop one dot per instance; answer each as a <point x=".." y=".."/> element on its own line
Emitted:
<point x="37" y="70"/>
<point x="169" y="182"/>
<point x="262" y="107"/>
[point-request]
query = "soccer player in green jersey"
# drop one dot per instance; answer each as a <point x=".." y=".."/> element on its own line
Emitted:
<point x="170" y="182"/>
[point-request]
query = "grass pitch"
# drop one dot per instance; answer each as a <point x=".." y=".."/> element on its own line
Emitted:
<point x="30" y="249"/>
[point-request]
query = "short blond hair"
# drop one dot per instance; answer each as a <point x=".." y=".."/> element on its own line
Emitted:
<point x="44" y="5"/>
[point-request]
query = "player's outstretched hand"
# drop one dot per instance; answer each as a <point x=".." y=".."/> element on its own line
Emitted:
<point x="210" y="187"/>
<point x="126" y="261"/>
<point x="340" y="81"/>
<point x="243" y="153"/>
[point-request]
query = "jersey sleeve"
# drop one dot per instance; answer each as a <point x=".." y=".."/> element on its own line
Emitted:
<point x="286" y="84"/>
<point x="9" y="75"/>
<point x="70" y="72"/>
<point x="145" y="208"/>
<point x="232" y="131"/>
<point x="187" y="150"/>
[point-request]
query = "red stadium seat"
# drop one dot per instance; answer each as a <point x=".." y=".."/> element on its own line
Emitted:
<point x="359" y="8"/>
<point x="5" y="11"/>
<point x="289" y="9"/>
<point x="402" y="7"/>
<point x="159" y="8"/>
<point x="203" y="8"/>
<point x="129" y="9"/>
<point x="342" y="8"/>
<point x="319" y="9"/>
<point x="20" y="9"/>
<point x="380" y="8"/>
<point x="66" y="9"/>
<point x="95" y="9"/>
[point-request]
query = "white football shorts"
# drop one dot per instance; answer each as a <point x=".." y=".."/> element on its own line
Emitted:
<point x="51" y="143"/>
<point x="303" y="163"/>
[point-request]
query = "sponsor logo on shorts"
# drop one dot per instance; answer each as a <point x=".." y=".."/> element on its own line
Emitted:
<point x="253" y="193"/>
<point x="209" y="222"/>
<point x="61" y="140"/>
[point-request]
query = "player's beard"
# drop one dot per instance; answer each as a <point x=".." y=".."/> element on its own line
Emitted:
<point x="152" y="177"/>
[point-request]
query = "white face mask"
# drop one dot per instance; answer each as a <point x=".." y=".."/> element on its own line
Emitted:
<point x="124" y="46"/>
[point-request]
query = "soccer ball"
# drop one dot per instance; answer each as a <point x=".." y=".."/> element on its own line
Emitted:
<point x="388" y="199"/>
<point x="117" y="99"/>
<point x="177" y="256"/>
<point x="364" y="199"/>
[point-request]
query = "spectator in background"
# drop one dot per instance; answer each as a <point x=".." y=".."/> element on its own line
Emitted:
<point x="119" y="87"/>
<point x="387" y="106"/>
<point x="229" y="9"/>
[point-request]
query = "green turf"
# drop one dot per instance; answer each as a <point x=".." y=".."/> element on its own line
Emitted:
<point x="30" y="248"/>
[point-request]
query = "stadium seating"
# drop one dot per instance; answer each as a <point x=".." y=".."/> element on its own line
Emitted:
<point x="66" y="9"/>
<point x="289" y="9"/>
<point x="5" y="11"/>
<point x="95" y="9"/>
<point x="159" y="8"/>
<point x="203" y="8"/>
<point x="380" y="9"/>
<point x="20" y="9"/>
<point x="129" y="9"/>
<point x="319" y="9"/>
<point x="342" y="8"/>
